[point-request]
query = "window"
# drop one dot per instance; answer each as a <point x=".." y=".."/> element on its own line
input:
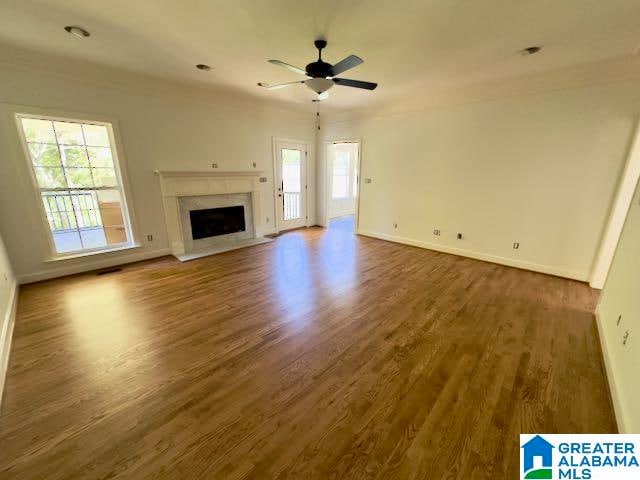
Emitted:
<point x="76" y="173"/>
<point x="340" y="174"/>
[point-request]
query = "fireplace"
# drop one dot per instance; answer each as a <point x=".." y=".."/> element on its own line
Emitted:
<point x="211" y="212"/>
<point x="212" y="222"/>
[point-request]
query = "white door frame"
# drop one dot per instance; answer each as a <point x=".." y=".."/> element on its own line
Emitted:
<point x="618" y="214"/>
<point x="327" y="178"/>
<point x="305" y="175"/>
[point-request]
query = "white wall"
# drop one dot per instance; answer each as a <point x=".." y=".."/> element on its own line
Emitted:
<point x="8" y="292"/>
<point x="7" y="283"/>
<point x="157" y="132"/>
<point x="538" y="169"/>
<point x="339" y="207"/>
<point x="620" y="297"/>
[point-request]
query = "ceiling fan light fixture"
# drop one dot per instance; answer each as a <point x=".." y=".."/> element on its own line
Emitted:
<point x="321" y="76"/>
<point x="319" y="85"/>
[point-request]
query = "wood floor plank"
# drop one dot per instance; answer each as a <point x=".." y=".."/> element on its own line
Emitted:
<point x="320" y="355"/>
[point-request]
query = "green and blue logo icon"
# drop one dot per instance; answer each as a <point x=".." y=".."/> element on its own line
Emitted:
<point x="580" y="456"/>
<point x="537" y="459"/>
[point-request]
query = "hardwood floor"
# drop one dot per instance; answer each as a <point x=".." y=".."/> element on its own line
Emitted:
<point x="320" y="355"/>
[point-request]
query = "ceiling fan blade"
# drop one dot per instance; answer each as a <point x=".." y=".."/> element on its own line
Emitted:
<point x="346" y="64"/>
<point x="355" y="83"/>
<point x="278" y="86"/>
<point x="288" y="67"/>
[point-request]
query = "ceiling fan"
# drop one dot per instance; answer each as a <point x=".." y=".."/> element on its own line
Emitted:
<point x="322" y="75"/>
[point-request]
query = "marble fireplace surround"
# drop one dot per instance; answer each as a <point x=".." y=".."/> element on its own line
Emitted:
<point x="183" y="190"/>
<point x="202" y="202"/>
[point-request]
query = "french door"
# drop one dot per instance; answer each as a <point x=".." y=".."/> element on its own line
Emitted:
<point x="291" y="185"/>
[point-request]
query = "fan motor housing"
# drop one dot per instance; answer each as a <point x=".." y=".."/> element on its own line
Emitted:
<point x="319" y="69"/>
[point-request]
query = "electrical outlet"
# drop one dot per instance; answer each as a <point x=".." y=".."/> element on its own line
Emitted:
<point x="516" y="245"/>
<point x="625" y="337"/>
<point x="436" y="232"/>
<point x="263" y="179"/>
<point x="149" y="238"/>
<point x="367" y="180"/>
<point x="619" y="320"/>
<point x="459" y="236"/>
<point x="395" y="225"/>
<point x="254" y="164"/>
<point x="214" y="165"/>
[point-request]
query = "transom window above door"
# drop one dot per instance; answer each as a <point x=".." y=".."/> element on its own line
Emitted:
<point x="77" y="177"/>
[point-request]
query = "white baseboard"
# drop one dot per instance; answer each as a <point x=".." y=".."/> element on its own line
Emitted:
<point x="6" y="332"/>
<point x="479" y="256"/>
<point x="613" y="389"/>
<point x="86" y="265"/>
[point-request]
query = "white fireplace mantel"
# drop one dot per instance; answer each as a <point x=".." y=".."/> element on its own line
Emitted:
<point x="175" y="184"/>
<point x="208" y="173"/>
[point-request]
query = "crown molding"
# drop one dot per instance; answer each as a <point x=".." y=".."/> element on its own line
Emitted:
<point x="20" y="59"/>
<point x="617" y="70"/>
<point x="596" y="73"/>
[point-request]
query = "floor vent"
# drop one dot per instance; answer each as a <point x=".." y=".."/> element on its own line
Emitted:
<point x="108" y="270"/>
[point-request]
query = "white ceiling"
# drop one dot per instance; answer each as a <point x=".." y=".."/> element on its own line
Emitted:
<point x="408" y="46"/>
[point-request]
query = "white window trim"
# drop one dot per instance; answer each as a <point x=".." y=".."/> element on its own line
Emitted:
<point x="93" y="251"/>
<point x="119" y="167"/>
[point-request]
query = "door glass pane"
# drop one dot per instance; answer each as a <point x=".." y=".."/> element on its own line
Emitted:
<point x="291" y="187"/>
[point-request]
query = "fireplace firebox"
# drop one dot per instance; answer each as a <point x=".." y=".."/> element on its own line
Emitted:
<point x="212" y="222"/>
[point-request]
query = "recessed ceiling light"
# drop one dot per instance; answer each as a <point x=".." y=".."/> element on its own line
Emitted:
<point x="202" y="66"/>
<point x="529" y="51"/>
<point x="77" y="31"/>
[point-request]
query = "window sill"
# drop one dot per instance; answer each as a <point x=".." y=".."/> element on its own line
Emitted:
<point x="91" y="253"/>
